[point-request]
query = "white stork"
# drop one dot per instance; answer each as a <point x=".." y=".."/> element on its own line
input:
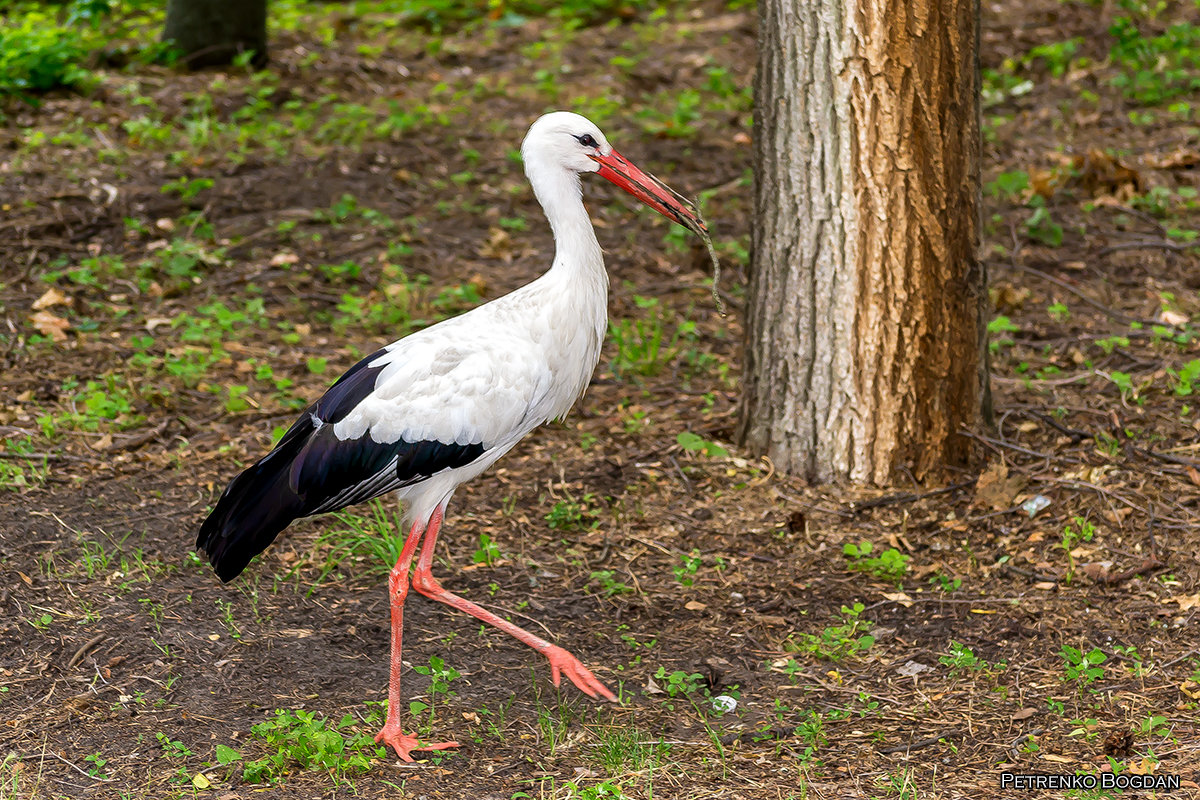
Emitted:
<point x="436" y="408"/>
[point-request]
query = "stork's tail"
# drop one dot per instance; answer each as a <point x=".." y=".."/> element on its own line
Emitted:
<point x="255" y="507"/>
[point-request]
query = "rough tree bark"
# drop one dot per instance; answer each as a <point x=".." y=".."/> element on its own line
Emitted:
<point x="865" y="331"/>
<point x="213" y="32"/>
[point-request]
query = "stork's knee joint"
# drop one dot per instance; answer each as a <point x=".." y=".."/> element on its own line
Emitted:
<point x="424" y="582"/>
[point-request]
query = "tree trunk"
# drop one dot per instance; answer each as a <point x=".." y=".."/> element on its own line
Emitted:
<point x="213" y="32"/>
<point x="865" y="330"/>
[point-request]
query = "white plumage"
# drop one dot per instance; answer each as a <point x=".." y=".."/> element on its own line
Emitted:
<point x="431" y="411"/>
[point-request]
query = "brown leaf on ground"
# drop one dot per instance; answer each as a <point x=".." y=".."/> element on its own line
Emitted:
<point x="499" y="246"/>
<point x="48" y="324"/>
<point x="1101" y="174"/>
<point x="996" y="489"/>
<point x="1179" y="158"/>
<point x="51" y="297"/>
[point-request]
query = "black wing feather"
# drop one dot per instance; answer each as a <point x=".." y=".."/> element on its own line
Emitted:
<point x="311" y="471"/>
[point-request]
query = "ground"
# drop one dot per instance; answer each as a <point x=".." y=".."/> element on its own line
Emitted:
<point x="190" y="258"/>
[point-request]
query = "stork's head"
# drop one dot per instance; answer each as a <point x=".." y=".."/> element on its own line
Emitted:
<point x="574" y="143"/>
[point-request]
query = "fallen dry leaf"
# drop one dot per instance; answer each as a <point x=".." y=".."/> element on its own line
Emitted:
<point x="1057" y="759"/>
<point x="51" y="297"/>
<point x="912" y="669"/>
<point x="49" y="325"/>
<point x="1174" y="159"/>
<point x="996" y="489"/>
<point x="1186" y="601"/>
<point x="499" y="246"/>
<point x="1101" y="174"/>
<point x="1143" y="767"/>
<point x="1096" y="570"/>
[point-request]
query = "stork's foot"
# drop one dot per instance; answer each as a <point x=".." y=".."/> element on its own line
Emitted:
<point x="404" y="744"/>
<point x="563" y="663"/>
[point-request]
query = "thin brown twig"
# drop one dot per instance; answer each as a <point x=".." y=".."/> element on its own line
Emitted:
<point x="47" y="457"/>
<point x="1076" y="435"/>
<point x="1076" y="484"/>
<point x="1059" y="282"/>
<point x="1156" y="244"/>
<point x="1187" y="462"/>
<point x="917" y="745"/>
<point x="84" y="648"/>
<point x="1030" y="574"/>
<point x="907" y="497"/>
<point x="53" y="754"/>
<point x="997" y="443"/>
<point x="134" y="442"/>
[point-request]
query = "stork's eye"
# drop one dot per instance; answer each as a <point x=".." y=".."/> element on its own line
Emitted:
<point x="587" y="140"/>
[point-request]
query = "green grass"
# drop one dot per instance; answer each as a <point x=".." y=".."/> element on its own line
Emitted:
<point x="369" y="544"/>
<point x="645" y="346"/>
<point x="1155" y="68"/>
<point x="43" y="48"/>
<point x="622" y="749"/>
<point x="20" y="466"/>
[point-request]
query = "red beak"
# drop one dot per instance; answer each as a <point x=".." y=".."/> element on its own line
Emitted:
<point x="650" y="190"/>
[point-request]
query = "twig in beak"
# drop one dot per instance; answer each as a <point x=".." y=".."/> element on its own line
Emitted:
<point x="712" y="253"/>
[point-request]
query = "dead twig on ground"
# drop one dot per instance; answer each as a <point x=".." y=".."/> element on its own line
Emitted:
<point x="1152" y="244"/>
<point x="907" y="497"/>
<point x="917" y="745"/>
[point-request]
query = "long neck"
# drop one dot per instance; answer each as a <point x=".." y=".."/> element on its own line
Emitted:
<point x="576" y="283"/>
<point x="576" y="251"/>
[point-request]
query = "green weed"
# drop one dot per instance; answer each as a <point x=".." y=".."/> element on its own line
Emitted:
<point x="890" y="565"/>
<point x="679" y="683"/>
<point x="1155" y="68"/>
<point x="1041" y="227"/>
<point x="694" y="443"/>
<point x="302" y="739"/>
<point x="1010" y="186"/>
<point x="836" y="642"/>
<point x="962" y="660"/>
<point x="488" y="551"/>
<point x="623" y="749"/>
<point x="643" y="346"/>
<point x="1080" y="667"/>
<point x="440" y="678"/>
<point x="1185" y="380"/>
<point x="997" y="329"/>
<point x="1074" y="534"/>
<point x="38" y="53"/>
<point x="608" y="583"/>
<point x="21" y="468"/>
<point x="574" y="515"/>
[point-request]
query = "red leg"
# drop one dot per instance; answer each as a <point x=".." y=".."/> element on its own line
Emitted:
<point x="400" y="741"/>
<point x="561" y="662"/>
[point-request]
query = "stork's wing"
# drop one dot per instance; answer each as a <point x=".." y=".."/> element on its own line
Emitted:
<point x="433" y="401"/>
